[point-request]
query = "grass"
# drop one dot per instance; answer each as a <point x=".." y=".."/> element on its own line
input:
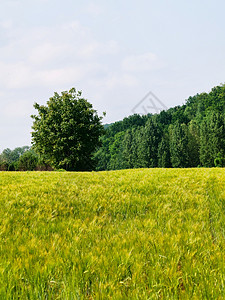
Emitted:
<point x="132" y="234"/>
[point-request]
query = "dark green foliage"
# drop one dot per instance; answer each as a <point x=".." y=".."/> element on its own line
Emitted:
<point x="164" y="153"/>
<point x="193" y="144"/>
<point x="116" y="149"/>
<point x="129" y="152"/>
<point x="219" y="161"/>
<point x="212" y="139"/>
<point x="152" y="138"/>
<point x="66" y="132"/>
<point x="4" y="166"/>
<point x="28" y="161"/>
<point x="140" y="145"/>
<point x="12" y="167"/>
<point x="190" y="135"/>
<point x="179" y="145"/>
<point x="102" y="156"/>
<point x="205" y="155"/>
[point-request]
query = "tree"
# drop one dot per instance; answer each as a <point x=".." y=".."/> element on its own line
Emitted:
<point x="164" y="153"/>
<point x="142" y="158"/>
<point x="179" y="145"/>
<point x="190" y="135"/>
<point x="9" y="158"/>
<point x="66" y="132"/>
<point x="152" y="137"/>
<point x="28" y="161"/>
<point x="193" y="144"/>
<point x="127" y="149"/>
<point x="212" y="139"/>
<point x="6" y="156"/>
<point x="116" y="161"/>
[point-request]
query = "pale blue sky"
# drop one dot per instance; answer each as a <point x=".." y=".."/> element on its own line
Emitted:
<point x="114" y="51"/>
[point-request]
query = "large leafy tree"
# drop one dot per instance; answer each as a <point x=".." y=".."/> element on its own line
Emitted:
<point x="66" y="131"/>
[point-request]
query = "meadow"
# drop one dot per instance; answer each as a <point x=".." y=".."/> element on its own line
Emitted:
<point x="130" y="234"/>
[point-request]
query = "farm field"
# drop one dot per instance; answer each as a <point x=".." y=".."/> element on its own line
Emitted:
<point x="131" y="234"/>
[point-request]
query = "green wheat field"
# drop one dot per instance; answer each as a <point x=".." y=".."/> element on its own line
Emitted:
<point x="131" y="234"/>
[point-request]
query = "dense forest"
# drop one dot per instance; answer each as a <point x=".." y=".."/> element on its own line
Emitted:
<point x="191" y="135"/>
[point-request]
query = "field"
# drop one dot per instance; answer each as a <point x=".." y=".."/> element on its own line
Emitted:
<point x="132" y="234"/>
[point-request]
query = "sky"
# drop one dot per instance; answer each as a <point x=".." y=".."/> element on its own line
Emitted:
<point x="120" y="54"/>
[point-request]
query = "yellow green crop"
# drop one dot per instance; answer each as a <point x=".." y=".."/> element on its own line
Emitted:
<point x="132" y="234"/>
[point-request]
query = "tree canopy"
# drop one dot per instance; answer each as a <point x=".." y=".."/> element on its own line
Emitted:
<point x="189" y="135"/>
<point x="66" y="131"/>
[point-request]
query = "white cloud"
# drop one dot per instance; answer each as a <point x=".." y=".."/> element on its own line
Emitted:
<point x="21" y="75"/>
<point x="48" y="56"/>
<point x="66" y="75"/>
<point x="141" y="63"/>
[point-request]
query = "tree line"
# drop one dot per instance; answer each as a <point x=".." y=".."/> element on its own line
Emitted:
<point x="68" y="134"/>
<point x="190" y="135"/>
<point x="21" y="159"/>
